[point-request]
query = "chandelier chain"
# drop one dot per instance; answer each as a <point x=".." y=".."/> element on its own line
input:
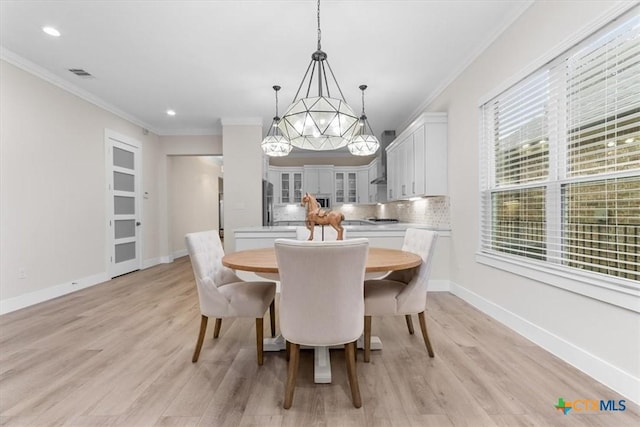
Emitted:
<point x="319" y="32"/>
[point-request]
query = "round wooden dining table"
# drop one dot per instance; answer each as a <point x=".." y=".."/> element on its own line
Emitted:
<point x="263" y="262"/>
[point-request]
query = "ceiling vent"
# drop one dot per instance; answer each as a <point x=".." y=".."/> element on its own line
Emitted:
<point x="81" y="73"/>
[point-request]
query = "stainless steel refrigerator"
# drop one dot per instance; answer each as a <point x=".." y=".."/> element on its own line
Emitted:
<point x="267" y="203"/>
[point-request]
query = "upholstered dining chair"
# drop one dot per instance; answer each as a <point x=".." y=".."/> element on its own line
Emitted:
<point x="330" y="233"/>
<point x="222" y="294"/>
<point x="321" y="301"/>
<point x="402" y="292"/>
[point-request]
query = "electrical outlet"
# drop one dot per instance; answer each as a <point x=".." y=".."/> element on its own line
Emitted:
<point x="22" y="274"/>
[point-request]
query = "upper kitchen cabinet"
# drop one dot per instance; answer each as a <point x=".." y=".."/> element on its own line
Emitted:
<point x="362" y="192"/>
<point x="417" y="159"/>
<point x="373" y="173"/>
<point x="351" y="184"/>
<point x="287" y="184"/>
<point x="318" y="179"/>
<point x="345" y="185"/>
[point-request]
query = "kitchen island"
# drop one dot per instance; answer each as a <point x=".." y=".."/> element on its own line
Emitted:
<point x="379" y="235"/>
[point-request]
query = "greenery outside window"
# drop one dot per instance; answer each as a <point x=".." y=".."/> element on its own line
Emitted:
<point x="560" y="161"/>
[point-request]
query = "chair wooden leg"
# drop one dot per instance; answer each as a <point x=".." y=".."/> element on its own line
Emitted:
<point x="287" y="349"/>
<point x="367" y="338"/>
<point x="259" y="339"/>
<point x="272" y="317"/>
<point x="425" y="335"/>
<point x="291" y="375"/>
<point x="216" y="328"/>
<point x="350" y="356"/>
<point x="203" y="329"/>
<point x="407" y="317"/>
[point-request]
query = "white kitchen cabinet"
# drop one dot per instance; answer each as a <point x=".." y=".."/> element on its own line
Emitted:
<point x="417" y="159"/>
<point x="393" y="172"/>
<point x="274" y="178"/>
<point x="407" y="171"/>
<point x="362" y="192"/>
<point x="287" y="185"/>
<point x="419" y="162"/>
<point x="372" y="171"/>
<point x="318" y="179"/>
<point x="346" y="185"/>
<point x="343" y="184"/>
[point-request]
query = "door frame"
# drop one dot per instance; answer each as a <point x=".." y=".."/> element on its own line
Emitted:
<point x="112" y="138"/>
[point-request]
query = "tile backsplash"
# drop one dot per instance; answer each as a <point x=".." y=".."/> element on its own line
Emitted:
<point x="432" y="211"/>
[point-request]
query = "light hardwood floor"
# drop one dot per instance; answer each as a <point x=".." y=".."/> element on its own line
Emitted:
<point x="120" y="354"/>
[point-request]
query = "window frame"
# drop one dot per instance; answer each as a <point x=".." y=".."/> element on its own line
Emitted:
<point x="618" y="291"/>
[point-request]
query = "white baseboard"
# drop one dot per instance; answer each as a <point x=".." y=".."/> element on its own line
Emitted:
<point x="16" y="303"/>
<point x="151" y="262"/>
<point x="180" y="253"/>
<point x="22" y="301"/>
<point x="597" y="368"/>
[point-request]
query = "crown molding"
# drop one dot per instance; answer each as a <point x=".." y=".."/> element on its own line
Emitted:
<point x="30" y="67"/>
<point x="466" y="63"/>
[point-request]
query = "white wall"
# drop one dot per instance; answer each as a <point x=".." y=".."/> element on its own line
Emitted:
<point x="182" y="145"/>
<point x="243" y="172"/>
<point x="53" y="187"/>
<point x="193" y="190"/>
<point x="602" y="339"/>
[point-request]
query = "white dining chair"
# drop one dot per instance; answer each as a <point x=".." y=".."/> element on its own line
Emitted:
<point x="321" y="301"/>
<point x="402" y="292"/>
<point x="222" y="294"/>
<point x="329" y="234"/>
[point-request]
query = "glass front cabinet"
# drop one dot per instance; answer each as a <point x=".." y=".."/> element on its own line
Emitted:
<point x="346" y="187"/>
<point x="290" y="187"/>
<point x="287" y="184"/>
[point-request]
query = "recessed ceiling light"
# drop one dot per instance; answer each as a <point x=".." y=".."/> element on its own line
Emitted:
<point x="51" y="31"/>
<point x="171" y="113"/>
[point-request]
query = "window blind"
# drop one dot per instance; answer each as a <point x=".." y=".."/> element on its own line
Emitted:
<point x="560" y="159"/>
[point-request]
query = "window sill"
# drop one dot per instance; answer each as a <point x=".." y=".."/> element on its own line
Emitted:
<point x="618" y="292"/>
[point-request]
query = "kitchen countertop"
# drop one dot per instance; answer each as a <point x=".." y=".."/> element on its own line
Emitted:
<point x="375" y="227"/>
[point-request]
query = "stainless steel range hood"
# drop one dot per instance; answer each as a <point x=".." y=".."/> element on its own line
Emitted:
<point x="385" y="139"/>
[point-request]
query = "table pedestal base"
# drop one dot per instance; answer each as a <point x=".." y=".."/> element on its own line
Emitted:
<point x="321" y="357"/>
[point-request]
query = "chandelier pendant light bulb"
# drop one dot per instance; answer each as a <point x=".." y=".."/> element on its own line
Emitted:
<point x="274" y="144"/>
<point x="364" y="143"/>
<point x="319" y="122"/>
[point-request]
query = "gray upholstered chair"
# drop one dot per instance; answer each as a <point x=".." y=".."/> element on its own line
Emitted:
<point x="222" y="294"/>
<point x="402" y="292"/>
<point x="321" y="300"/>
<point x="330" y="233"/>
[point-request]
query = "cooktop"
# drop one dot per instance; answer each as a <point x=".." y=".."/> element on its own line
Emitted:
<point x="383" y="219"/>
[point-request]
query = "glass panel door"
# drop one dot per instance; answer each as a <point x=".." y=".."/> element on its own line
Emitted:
<point x="123" y="186"/>
<point x="339" y="187"/>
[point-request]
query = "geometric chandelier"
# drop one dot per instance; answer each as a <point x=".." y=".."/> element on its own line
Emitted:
<point x="364" y="143"/>
<point x="319" y="122"/>
<point x="274" y="144"/>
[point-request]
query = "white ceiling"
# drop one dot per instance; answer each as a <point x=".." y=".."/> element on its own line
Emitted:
<point x="209" y="60"/>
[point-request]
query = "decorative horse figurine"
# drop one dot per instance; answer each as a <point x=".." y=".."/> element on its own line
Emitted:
<point x="318" y="216"/>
